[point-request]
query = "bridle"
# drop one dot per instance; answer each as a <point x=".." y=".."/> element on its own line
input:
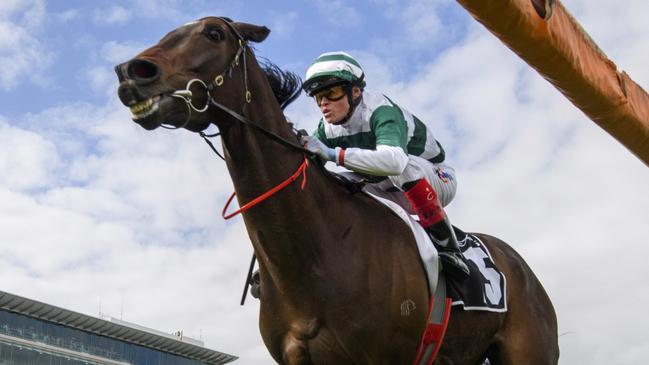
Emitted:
<point x="186" y="95"/>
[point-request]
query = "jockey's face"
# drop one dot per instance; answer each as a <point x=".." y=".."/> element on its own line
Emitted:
<point x="335" y="110"/>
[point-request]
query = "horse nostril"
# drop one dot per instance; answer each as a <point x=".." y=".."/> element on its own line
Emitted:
<point x="143" y="71"/>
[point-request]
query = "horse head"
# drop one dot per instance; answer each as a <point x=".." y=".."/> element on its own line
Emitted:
<point x="172" y="82"/>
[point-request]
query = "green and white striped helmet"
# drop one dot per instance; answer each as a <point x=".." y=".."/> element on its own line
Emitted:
<point x="333" y="68"/>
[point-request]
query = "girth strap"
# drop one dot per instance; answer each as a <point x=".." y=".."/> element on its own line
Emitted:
<point x="439" y="313"/>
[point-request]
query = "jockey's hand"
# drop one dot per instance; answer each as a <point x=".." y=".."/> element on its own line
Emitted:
<point x="316" y="146"/>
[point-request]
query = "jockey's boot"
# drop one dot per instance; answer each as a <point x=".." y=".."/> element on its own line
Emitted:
<point x="448" y="249"/>
<point x="432" y="217"/>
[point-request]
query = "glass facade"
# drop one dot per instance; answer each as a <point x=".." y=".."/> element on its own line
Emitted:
<point x="10" y="355"/>
<point x="36" y="339"/>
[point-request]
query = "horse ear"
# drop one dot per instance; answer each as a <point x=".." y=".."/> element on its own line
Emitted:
<point x="251" y="32"/>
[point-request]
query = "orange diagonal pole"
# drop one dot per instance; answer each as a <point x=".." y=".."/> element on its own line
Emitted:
<point x="554" y="44"/>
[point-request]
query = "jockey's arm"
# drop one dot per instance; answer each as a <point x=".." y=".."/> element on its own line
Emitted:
<point x="390" y="157"/>
<point x="383" y="161"/>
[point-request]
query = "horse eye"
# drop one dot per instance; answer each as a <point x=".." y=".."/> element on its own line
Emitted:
<point x="214" y="34"/>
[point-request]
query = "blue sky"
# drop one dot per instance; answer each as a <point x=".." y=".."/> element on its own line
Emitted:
<point x="96" y="213"/>
<point x="75" y="37"/>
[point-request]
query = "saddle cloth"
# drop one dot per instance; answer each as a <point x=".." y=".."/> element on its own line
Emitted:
<point x="486" y="287"/>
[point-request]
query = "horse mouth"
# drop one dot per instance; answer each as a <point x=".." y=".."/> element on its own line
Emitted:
<point x="150" y="110"/>
<point x="161" y="109"/>
<point x="144" y="109"/>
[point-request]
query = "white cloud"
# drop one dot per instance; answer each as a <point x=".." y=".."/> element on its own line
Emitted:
<point x="100" y="79"/>
<point x="420" y="22"/>
<point x="175" y="10"/>
<point x="100" y="263"/>
<point x="114" y="15"/>
<point x="34" y="14"/>
<point x="117" y="52"/>
<point x="9" y="7"/>
<point x="339" y="13"/>
<point x="101" y="221"/>
<point x="28" y="161"/>
<point x="419" y="30"/>
<point x="68" y="15"/>
<point x="22" y="55"/>
<point x="102" y="147"/>
<point x="284" y="23"/>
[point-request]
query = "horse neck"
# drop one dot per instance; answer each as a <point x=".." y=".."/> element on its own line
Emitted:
<point x="283" y="227"/>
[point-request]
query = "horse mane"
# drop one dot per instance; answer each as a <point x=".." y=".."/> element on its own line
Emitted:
<point x="286" y="85"/>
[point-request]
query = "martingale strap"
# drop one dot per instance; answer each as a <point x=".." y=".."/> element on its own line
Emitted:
<point x="300" y="171"/>
<point x="439" y="312"/>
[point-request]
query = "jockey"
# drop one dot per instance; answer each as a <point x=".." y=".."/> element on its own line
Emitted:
<point x="369" y="134"/>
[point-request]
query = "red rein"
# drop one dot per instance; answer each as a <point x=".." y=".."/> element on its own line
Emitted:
<point x="300" y="171"/>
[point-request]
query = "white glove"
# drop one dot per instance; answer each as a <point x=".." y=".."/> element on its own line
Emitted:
<point x="316" y="146"/>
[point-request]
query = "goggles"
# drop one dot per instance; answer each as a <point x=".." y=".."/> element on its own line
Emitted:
<point x="332" y="93"/>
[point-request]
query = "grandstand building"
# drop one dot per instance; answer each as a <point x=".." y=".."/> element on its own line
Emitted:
<point x="35" y="333"/>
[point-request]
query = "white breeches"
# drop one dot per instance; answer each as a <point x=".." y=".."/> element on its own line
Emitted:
<point x="440" y="176"/>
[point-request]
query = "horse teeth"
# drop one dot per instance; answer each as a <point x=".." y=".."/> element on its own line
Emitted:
<point x="144" y="108"/>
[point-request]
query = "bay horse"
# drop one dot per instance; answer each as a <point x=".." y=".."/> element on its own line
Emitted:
<point x="335" y="268"/>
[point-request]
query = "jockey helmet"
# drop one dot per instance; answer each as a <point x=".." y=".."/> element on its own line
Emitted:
<point x="330" y="69"/>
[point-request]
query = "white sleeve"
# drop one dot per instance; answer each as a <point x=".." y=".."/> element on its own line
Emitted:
<point x="383" y="161"/>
